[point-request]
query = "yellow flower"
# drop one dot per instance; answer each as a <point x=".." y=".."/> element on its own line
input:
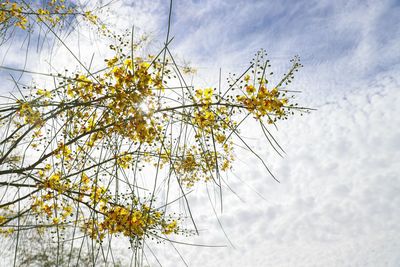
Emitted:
<point x="44" y="93"/>
<point x="199" y="93"/>
<point x="85" y="179"/>
<point x="70" y="92"/>
<point x="67" y="211"/>
<point x="124" y="161"/>
<point x="208" y="92"/>
<point x="63" y="150"/>
<point x="170" y="228"/>
<point x="47" y="209"/>
<point x="97" y="193"/>
<point x="111" y="62"/>
<point x="92" y="18"/>
<point x="128" y="63"/>
<point x="250" y="89"/>
<point x="220" y="138"/>
<point x="47" y="167"/>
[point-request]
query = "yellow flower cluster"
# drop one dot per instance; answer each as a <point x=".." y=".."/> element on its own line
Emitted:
<point x="122" y="90"/>
<point x="13" y="13"/>
<point x="30" y="114"/>
<point x="7" y="232"/>
<point x="198" y="165"/>
<point x="44" y="93"/>
<point x="131" y="222"/>
<point x="53" y="212"/>
<point x="124" y="160"/>
<point x="263" y="102"/>
<point x="205" y="96"/>
<point x="56" y="187"/>
<point x="63" y="151"/>
<point x="6" y="216"/>
<point x="204" y="117"/>
<point x="54" y="183"/>
<point x="91" y="17"/>
<point x="2" y="219"/>
<point x="55" y="11"/>
<point x="208" y="118"/>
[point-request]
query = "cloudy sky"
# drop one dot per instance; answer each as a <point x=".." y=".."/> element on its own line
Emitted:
<point x="338" y="203"/>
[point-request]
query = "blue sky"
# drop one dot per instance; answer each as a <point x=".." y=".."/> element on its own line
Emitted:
<point x="343" y="44"/>
<point x="339" y="197"/>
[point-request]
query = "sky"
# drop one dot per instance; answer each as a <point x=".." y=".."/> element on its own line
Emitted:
<point x="338" y="200"/>
<point x="339" y="197"/>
